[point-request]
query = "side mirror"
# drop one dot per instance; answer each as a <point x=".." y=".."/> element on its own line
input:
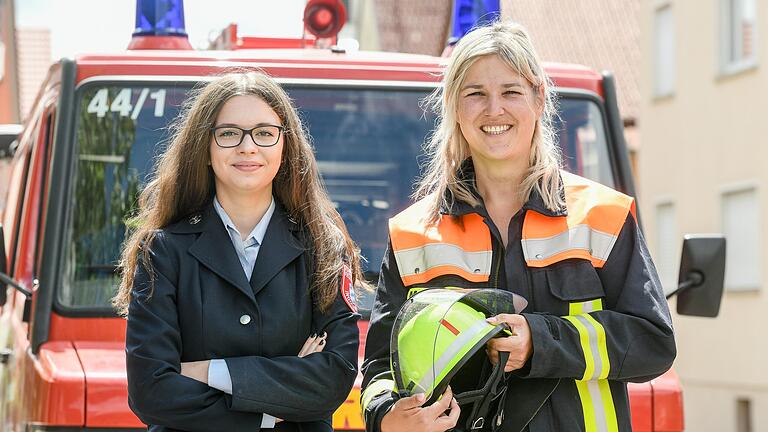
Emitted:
<point x="702" y="273"/>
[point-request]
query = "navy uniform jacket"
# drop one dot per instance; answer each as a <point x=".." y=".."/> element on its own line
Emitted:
<point x="203" y="307"/>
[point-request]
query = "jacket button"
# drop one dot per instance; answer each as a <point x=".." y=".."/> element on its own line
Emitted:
<point x="245" y="319"/>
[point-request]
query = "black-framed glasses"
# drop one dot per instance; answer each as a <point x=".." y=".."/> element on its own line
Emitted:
<point x="232" y="136"/>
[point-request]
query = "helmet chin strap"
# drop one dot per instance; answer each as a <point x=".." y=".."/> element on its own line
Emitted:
<point x="482" y="398"/>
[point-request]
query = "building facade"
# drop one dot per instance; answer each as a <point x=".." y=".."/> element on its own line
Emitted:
<point x="9" y="87"/>
<point x="34" y="60"/>
<point x="703" y="169"/>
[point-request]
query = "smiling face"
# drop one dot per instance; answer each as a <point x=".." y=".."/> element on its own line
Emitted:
<point x="497" y="112"/>
<point x="245" y="170"/>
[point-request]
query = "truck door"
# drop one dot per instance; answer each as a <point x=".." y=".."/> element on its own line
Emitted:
<point x="23" y="217"/>
<point x="17" y="192"/>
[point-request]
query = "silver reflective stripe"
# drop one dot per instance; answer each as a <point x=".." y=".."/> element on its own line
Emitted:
<point x="421" y="259"/>
<point x="593" y="347"/>
<point x="598" y="243"/>
<point x="589" y="306"/>
<point x="427" y="383"/>
<point x="597" y="405"/>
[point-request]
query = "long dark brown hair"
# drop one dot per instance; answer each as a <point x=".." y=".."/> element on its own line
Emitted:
<point x="183" y="185"/>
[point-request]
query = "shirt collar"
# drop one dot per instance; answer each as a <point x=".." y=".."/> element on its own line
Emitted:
<point x="258" y="232"/>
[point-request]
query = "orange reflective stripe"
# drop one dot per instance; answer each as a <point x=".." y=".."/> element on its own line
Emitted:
<point x="425" y="251"/>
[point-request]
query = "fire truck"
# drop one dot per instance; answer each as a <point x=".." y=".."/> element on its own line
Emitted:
<point x="90" y="142"/>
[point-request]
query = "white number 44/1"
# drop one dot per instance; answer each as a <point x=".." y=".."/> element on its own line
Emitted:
<point x="121" y="104"/>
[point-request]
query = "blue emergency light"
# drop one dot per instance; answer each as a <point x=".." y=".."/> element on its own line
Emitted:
<point x="470" y="13"/>
<point x="159" y="25"/>
<point x="160" y="18"/>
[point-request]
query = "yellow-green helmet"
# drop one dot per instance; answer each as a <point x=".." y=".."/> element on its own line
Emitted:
<point x="438" y="331"/>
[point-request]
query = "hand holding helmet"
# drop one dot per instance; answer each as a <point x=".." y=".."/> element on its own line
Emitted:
<point x="438" y="338"/>
<point x="519" y="345"/>
<point x="409" y="414"/>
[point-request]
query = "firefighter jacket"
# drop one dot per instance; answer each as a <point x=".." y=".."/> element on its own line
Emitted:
<point x="597" y="313"/>
<point x="203" y="307"/>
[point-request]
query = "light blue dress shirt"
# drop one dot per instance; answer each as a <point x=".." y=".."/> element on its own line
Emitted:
<point x="247" y="251"/>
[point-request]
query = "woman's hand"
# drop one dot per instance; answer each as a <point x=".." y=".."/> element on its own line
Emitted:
<point x="407" y="414"/>
<point x="197" y="370"/>
<point x="314" y="344"/>
<point x="519" y="345"/>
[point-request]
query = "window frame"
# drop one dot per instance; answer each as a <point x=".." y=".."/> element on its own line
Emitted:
<point x="734" y="189"/>
<point x="726" y="34"/>
<point x="659" y="259"/>
<point x="660" y="92"/>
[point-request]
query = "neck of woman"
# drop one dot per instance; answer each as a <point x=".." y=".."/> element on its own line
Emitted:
<point x="500" y="183"/>
<point x="245" y="209"/>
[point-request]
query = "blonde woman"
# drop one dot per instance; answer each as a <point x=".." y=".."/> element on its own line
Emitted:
<point x="495" y="210"/>
<point x="235" y="287"/>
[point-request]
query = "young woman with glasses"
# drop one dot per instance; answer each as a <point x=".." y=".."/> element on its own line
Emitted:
<point x="236" y="291"/>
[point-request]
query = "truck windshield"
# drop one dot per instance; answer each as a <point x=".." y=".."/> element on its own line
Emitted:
<point x="368" y="144"/>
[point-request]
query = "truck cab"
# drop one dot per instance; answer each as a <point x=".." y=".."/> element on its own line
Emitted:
<point x="91" y="141"/>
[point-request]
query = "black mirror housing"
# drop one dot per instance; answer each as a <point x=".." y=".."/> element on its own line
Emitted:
<point x="702" y="273"/>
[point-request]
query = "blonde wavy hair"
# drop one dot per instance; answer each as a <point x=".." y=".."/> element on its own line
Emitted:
<point x="447" y="148"/>
<point x="183" y="184"/>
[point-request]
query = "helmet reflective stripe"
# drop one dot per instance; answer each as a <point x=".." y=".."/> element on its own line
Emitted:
<point x="449" y="356"/>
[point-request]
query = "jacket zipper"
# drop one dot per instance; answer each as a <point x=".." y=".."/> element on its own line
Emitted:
<point x="498" y="266"/>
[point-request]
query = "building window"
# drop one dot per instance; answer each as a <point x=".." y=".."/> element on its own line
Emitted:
<point x="738" y="35"/>
<point x="741" y="226"/>
<point x="743" y="415"/>
<point x="664" y="51"/>
<point x="667" y="246"/>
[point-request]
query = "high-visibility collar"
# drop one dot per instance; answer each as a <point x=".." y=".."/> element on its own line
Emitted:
<point x="596" y="215"/>
<point x="459" y="243"/>
<point x="424" y="251"/>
